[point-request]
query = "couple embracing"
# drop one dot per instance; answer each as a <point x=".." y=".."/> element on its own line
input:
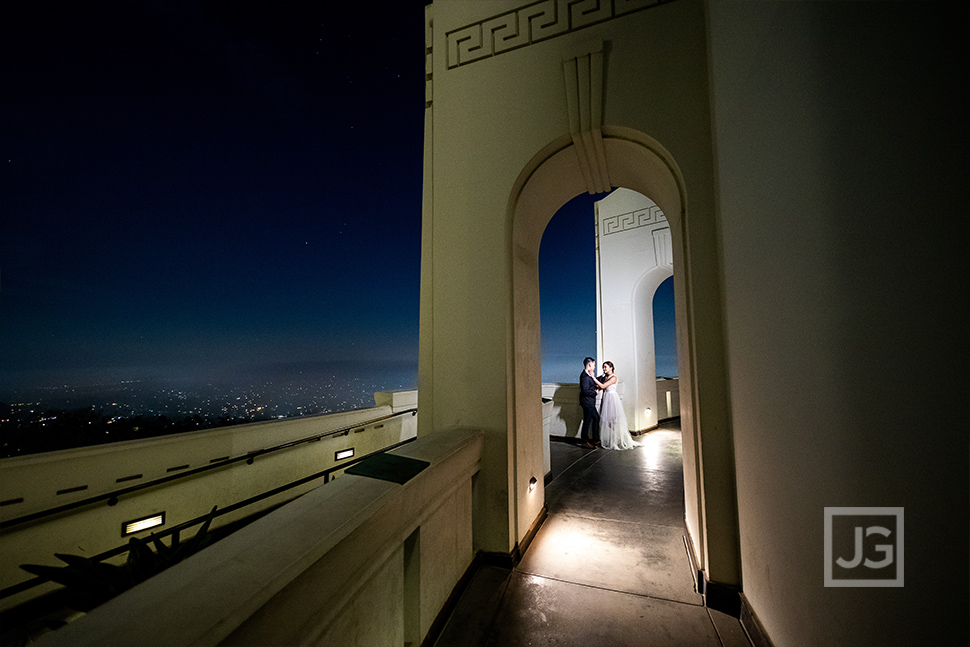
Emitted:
<point x="606" y="427"/>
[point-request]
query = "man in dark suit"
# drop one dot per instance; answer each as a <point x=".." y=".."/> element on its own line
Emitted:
<point x="587" y="400"/>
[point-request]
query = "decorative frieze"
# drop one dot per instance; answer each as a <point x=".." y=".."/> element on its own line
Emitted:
<point x="532" y="23"/>
<point x="632" y="220"/>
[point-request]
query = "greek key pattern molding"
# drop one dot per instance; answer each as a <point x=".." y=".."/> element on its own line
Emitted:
<point x="533" y="23"/>
<point x="632" y="220"/>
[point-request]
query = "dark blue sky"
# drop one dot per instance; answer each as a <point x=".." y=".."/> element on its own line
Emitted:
<point x="187" y="185"/>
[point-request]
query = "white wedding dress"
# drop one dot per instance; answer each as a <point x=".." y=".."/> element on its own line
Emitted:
<point x="613" y="427"/>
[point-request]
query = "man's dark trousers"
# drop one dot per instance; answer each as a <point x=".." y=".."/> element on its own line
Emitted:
<point x="591" y="422"/>
<point x="587" y="400"/>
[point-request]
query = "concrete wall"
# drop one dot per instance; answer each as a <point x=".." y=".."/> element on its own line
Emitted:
<point x="478" y="146"/>
<point x="842" y="162"/>
<point x="362" y="562"/>
<point x="564" y="414"/>
<point x="96" y="528"/>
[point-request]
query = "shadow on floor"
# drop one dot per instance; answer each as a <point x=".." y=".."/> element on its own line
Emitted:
<point x="609" y="565"/>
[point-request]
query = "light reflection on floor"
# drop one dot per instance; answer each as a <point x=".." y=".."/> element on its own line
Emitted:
<point x="609" y="564"/>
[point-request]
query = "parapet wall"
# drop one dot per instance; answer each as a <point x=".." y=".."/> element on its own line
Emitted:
<point x="33" y="484"/>
<point x="361" y="562"/>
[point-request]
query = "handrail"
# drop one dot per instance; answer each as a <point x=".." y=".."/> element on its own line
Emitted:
<point x="112" y="496"/>
<point x="174" y="530"/>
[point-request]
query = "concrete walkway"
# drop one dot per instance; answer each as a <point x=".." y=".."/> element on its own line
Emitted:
<point x="608" y="567"/>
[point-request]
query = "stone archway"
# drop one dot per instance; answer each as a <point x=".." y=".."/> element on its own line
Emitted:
<point x="552" y="178"/>
<point x="643" y="338"/>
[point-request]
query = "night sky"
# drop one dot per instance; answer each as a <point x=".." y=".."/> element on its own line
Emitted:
<point x="190" y="185"/>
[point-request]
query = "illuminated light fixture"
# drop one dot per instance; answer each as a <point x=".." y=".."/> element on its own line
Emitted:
<point x="532" y="483"/>
<point x="131" y="527"/>
<point x="344" y="453"/>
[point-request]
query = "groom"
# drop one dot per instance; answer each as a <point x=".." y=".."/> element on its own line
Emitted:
<point x="587" y="400"/>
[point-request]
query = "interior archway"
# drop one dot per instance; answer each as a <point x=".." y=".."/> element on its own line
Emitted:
<point x="552" y="178"/>
<point x="665" y="336"/>
<point x="644" y="341"/>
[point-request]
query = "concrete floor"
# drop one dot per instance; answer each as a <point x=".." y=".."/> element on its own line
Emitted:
<point x="608" y="567"/>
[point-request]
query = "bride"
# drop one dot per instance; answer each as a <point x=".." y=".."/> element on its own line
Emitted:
<point x="613" y="427"/>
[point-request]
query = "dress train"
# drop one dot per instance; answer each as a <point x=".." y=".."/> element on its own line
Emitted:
<point x="613" y="426"/>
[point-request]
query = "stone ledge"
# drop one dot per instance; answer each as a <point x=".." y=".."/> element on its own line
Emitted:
<point x="206" y="598"/>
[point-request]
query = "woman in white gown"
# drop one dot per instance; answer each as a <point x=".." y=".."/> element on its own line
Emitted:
<point x="613" y="427"/>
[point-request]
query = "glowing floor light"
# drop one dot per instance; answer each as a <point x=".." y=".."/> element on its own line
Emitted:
<point x="145" y="523"/>
<point x="344" y="453"/>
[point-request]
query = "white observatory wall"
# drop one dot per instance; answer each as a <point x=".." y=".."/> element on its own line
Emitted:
<point x="628" y="228"/>
<point x="841" y="151"/>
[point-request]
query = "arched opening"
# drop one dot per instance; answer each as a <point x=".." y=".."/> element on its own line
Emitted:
<point x="549" y="181"/>
<point x="600" y="262"/>
<point x="664" y="330"/>
<point x="648" y="413"/>
<point x="567" y="280"/>
<point x="665" y="351"/>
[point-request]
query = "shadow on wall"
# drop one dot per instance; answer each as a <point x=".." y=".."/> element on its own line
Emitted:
<point x="562" y="414"/>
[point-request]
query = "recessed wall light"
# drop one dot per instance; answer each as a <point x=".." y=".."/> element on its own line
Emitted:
<point x="145" y="523"/>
